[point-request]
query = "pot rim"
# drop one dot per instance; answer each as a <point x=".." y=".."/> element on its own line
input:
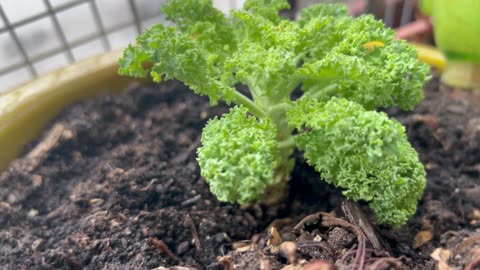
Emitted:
<point x="26" y="109"/>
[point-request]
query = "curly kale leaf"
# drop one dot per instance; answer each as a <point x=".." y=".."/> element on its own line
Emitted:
<point x="208" y="26"/>
<point x="325" y="52"/>
<point x="264" y="71"/>
<point x="343" y="66"/>
<point x="187" y="61"/>
<point x="268" y="9"/>
<point x="363" y="152"/>
<point x="238" y="156"/>
<point x="324" y="10"/>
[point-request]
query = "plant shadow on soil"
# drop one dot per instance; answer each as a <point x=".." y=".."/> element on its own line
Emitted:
<point x="113" y="183"/>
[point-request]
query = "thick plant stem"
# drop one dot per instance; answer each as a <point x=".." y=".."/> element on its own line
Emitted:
<point x="277" y="191"/>
<point x="287" y="144"/>
<point x="281" y="107"/>
<point x="324" y="92"/>
<point x="240" y="99"/>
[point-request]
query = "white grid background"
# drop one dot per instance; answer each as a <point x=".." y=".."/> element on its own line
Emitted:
<point x="38" y="36"/>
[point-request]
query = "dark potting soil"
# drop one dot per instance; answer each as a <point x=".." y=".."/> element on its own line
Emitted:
<point x="113" y="184"/>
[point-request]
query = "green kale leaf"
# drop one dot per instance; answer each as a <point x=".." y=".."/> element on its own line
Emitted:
<point x="345" y="68"/>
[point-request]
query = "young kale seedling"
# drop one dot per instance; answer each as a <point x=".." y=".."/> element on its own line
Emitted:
<point x="346" y="69"/>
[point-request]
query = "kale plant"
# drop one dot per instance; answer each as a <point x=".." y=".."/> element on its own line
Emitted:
<point x="345" y="68"/>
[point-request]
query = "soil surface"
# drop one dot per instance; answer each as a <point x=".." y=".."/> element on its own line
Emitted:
<point x="113" y="184"/>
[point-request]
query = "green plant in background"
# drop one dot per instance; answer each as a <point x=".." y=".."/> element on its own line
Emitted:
<point x="457" y="35"/>
<point x="345" y="68"/>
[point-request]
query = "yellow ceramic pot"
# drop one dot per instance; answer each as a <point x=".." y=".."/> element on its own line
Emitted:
<point x="25" y="110"/>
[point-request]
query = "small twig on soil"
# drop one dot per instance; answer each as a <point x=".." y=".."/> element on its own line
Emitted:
<point x="163" y="188"/>
<point x="196" y="237"/>
<point x="162" y="247"/>
<point x="182" y="157"/>
<point x="149" y="185"/>
<point x="327" y="220"/>
<point x="95" y="219"/>
<point x="472" y="265"/>
<point x="357" y="217"/>
<point x="191" y="200"/>
<point x="37" y="154"/>
<point x="57" y="212"/>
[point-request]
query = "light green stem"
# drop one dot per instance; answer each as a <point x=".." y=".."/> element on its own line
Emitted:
<point x="322" y="92"/>
<point x="287" y="144"/>
<point x="278" y="107"/>
<point x="239" y="98"/>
